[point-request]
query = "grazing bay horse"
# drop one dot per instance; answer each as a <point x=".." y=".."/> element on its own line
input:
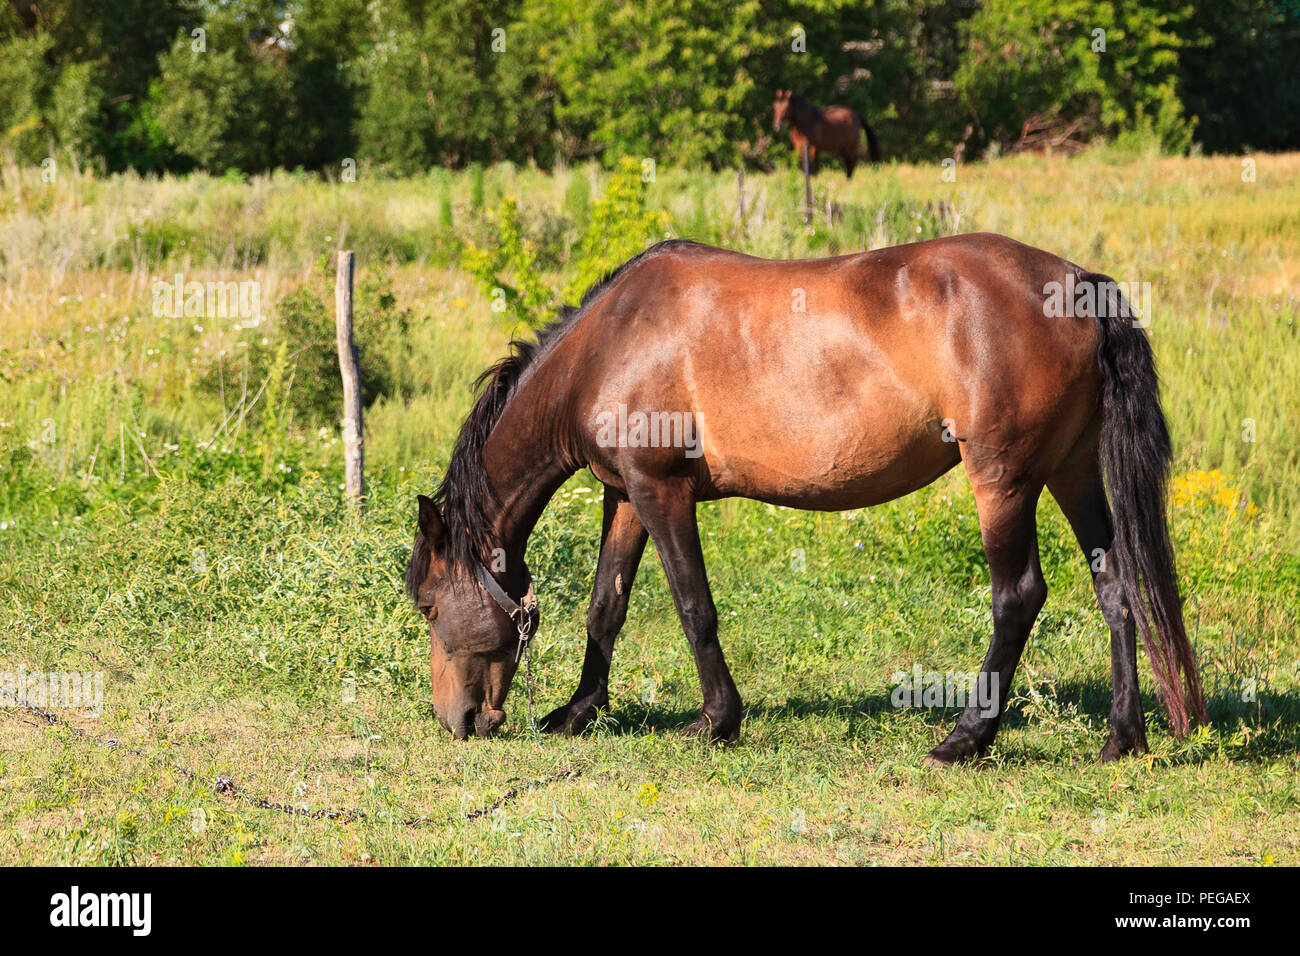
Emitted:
<point x="837" y="129"/>
<point x="688" y="375"/>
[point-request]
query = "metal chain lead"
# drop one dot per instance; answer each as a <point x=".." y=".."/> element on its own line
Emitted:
<point x="525" y="650"/>
<point x="227" y="788"/>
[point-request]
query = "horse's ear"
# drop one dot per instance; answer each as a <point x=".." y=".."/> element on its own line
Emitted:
<point x="431" y="526"/>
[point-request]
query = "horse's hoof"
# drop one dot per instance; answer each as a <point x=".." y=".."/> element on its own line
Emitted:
<point x="1115" y="749"/>
<point x="953" y="751"/>
<point x="722" y="732"/>
<point x="571" y="719"/>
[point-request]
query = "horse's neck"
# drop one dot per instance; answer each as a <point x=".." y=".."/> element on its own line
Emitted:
<point x="526" y="464"/>
<point x="806" y="116"/>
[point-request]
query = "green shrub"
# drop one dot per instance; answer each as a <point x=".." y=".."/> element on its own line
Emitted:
<point x="621" y="225"/>
<point x="577" y="197"/>
<point x="298" y="360"/>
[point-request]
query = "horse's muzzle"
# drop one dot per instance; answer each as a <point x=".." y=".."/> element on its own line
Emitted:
<point x="474" y="721"/>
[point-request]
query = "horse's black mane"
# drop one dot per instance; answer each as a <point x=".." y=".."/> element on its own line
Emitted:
<point x="797" y="100"/>
<point x="465" y="491"/>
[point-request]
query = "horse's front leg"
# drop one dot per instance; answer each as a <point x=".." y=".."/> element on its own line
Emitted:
<point x="622" y="543"/>
<point x="667" y="508"/>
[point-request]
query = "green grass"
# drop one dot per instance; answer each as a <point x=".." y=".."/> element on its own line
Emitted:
<point x="249" y="626"/>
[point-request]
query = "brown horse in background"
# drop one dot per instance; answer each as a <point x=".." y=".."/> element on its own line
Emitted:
<point x="897" y="365"/>
<point x="836" y="129"/>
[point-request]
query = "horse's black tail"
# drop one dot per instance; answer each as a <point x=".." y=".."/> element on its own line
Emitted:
<point x="873" y="144"/>
<point x="1135" y="457"/>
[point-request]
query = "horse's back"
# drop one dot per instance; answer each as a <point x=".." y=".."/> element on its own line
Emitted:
<point x="837" y="382"/>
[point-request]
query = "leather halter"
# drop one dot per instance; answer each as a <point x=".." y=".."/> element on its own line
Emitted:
<point x="524" y="612"/>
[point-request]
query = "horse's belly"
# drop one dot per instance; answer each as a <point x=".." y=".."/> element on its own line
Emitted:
<point x="848" y="485"/>
<point x="853" y="457"/>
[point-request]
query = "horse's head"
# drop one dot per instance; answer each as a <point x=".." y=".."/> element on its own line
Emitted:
<point x="473" y="641"/>
<point x="781" y="110"/>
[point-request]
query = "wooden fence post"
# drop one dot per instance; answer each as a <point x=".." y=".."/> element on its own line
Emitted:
<point x="807" y="187"/>
<point x="350" y="366"/>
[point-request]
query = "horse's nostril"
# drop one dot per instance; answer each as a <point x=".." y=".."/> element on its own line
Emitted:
<point x="465" y="725"/>
<point x="488" y="720"/>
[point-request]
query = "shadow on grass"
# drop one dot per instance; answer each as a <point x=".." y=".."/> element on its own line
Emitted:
<point x="1273" y="720"/>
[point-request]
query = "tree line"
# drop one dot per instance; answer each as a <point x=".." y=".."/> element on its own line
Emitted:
<point x="404" y="85"/>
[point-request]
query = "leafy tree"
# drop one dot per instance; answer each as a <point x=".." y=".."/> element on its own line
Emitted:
<point x="666" y="80"/>
<point x="86" y="92"/>
<point x="444" y="86"/>
<point x="1110" y="65"/>
<point x="1241" y="74"/>
<point x="197" y="100"/>
<point x="263" y="89"/>
<point x="25" y="81"/>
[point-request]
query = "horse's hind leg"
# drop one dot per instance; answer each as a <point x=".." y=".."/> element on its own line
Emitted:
<point x="1078" y="489"/>
<point x="1010" y="536"/>
<point x="850" y="161"/>
<point x="667" y="508"/>
<point x="622" y="543"/>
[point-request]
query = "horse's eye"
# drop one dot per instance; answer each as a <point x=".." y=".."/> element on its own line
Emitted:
<point x="430" y="611"/>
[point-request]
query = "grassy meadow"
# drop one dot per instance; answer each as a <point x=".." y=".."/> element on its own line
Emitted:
<point x="170" y="516"/>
